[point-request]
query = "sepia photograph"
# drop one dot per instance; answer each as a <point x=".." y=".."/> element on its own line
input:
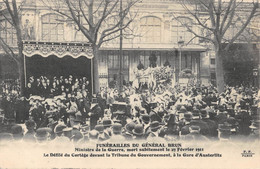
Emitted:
<point x="130" y="84"/>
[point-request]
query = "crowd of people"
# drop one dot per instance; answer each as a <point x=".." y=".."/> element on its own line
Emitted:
<point x="63" y="109"/>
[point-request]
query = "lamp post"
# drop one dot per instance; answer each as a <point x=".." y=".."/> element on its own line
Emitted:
<point x="180" y="45"/>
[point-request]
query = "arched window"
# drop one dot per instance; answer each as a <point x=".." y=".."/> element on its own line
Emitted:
<point x="150" y="29"/>
<point x="179" y="30"/>
<point x="52" y="27"/>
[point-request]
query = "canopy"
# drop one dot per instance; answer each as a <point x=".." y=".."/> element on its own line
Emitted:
<point x="60" y="50"/>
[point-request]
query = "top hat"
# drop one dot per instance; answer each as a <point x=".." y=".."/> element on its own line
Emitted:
<point x="42" y="133"/>
<point x="194" y="127"/>
<point x="224" y="128"/>
<point x="188" y="116"/>
<point x="145" y="118"/>
<point x="255" y="124"/>
<point x="196" y="112"/>
<point x="17" y="129"/>
<point x="30" y="123"/>
<point x="130" y="126"/>
<point x="93" y="134"/>
<point x="99" y="128"/>
<point x="203" y="113"/>
<point x="182" y="109"/>
<point x="155" y="125"/>
<point x="106" y="122"/>
<point x="117" y="128"/>
<point x="138" y="130"/>
<point x="78" y="117"/>
<point x="59" y="128"/>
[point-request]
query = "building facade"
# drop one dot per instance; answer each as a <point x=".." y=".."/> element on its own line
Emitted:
<point x="156" y="30"/>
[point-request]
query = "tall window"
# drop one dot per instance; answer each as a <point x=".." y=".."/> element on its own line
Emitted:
<point x="8" y="33"/>
<point x="180" y="31"/>
<point x="52" y="27"/>
<point x="150" y="29"/>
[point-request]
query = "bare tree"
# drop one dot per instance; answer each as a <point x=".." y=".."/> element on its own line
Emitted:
<point x="93" y="19"/>
<point x="218" y="18"/>
<point x="11" y="13"/>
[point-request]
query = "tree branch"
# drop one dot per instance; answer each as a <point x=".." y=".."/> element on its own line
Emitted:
<point x="244" y="26"/>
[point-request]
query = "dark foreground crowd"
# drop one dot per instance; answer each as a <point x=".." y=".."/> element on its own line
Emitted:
<point x="64" y="110"/>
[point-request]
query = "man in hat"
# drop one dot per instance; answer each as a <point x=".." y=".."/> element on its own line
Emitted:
<point x="211" y="124"/>
<point x="101" y="136"/>
<point x="221" y="115"/>
<point x="17" y="132"/>
<point x="22" y="110"/>
<point x="224" y="132"/>
<point x="194" y="134"/>
<point x="154" y="126"/>
<point x="94" y="115"/>
<point x="138" y="132"/>
<point x="107" y="123"/>
<point x="145" y="119"/>
<point x="29" y="135"/>
<point x="93" y="137"/>
<point x="59" y="133"/>
<point x="244" y="120"/>
<point x="196" y="121"/>
<point x="117" y="133"/>
<point x="187" y="119"/>
<point x="43" y="135"/>
<point x="85" y="131"/>
<point x="128" y="132"/>
<point x="5" y="139"/>
<point x="254" y="135"/>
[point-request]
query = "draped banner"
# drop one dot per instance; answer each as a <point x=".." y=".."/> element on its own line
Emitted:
<point x="60" y="50"/>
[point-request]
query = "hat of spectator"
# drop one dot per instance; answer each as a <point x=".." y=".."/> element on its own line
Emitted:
<point x="155" y="125"/>
<point x="93" y="134"/>
<point x="72" y="110"/>
<point x="232" y="121"/>
<point x="99" y="128"/>
<point x="221" y="108"/>
<point x="85" y="128"/>
<point x="59" y="128"/>
<point x="6" y="137"/>
<point x="182" y="109"/>
<point x="204" y="113"/>
<point x="188" y="116"/>
<point x="76" y="135"/>
<point x="224" y="128"/>
<point x="119" y="112"/>
<point x="16" y="130"/>
<point x="195" y="113"/>
<point x="117" y="121"/>
<point x="42" y="133"/>
<point x="30" y="123"/>
<point x="255" y="124"/>
<point x="130" y="126"/>
<point x="106" y="122"/>
<point x="195" y="128"/>
<point x="145" y="118"/>
<point x="78" y="117"/>
<point x="117" y="128"/>
<point x="67" y="132"/>
<point x="49" y="114"/>
<point x="138" y="130"/>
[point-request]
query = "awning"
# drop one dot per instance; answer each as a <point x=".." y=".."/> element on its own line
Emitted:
<point x="60" y="50"/>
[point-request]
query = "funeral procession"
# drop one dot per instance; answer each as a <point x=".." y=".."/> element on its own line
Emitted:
<point x="98" y="72"/>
